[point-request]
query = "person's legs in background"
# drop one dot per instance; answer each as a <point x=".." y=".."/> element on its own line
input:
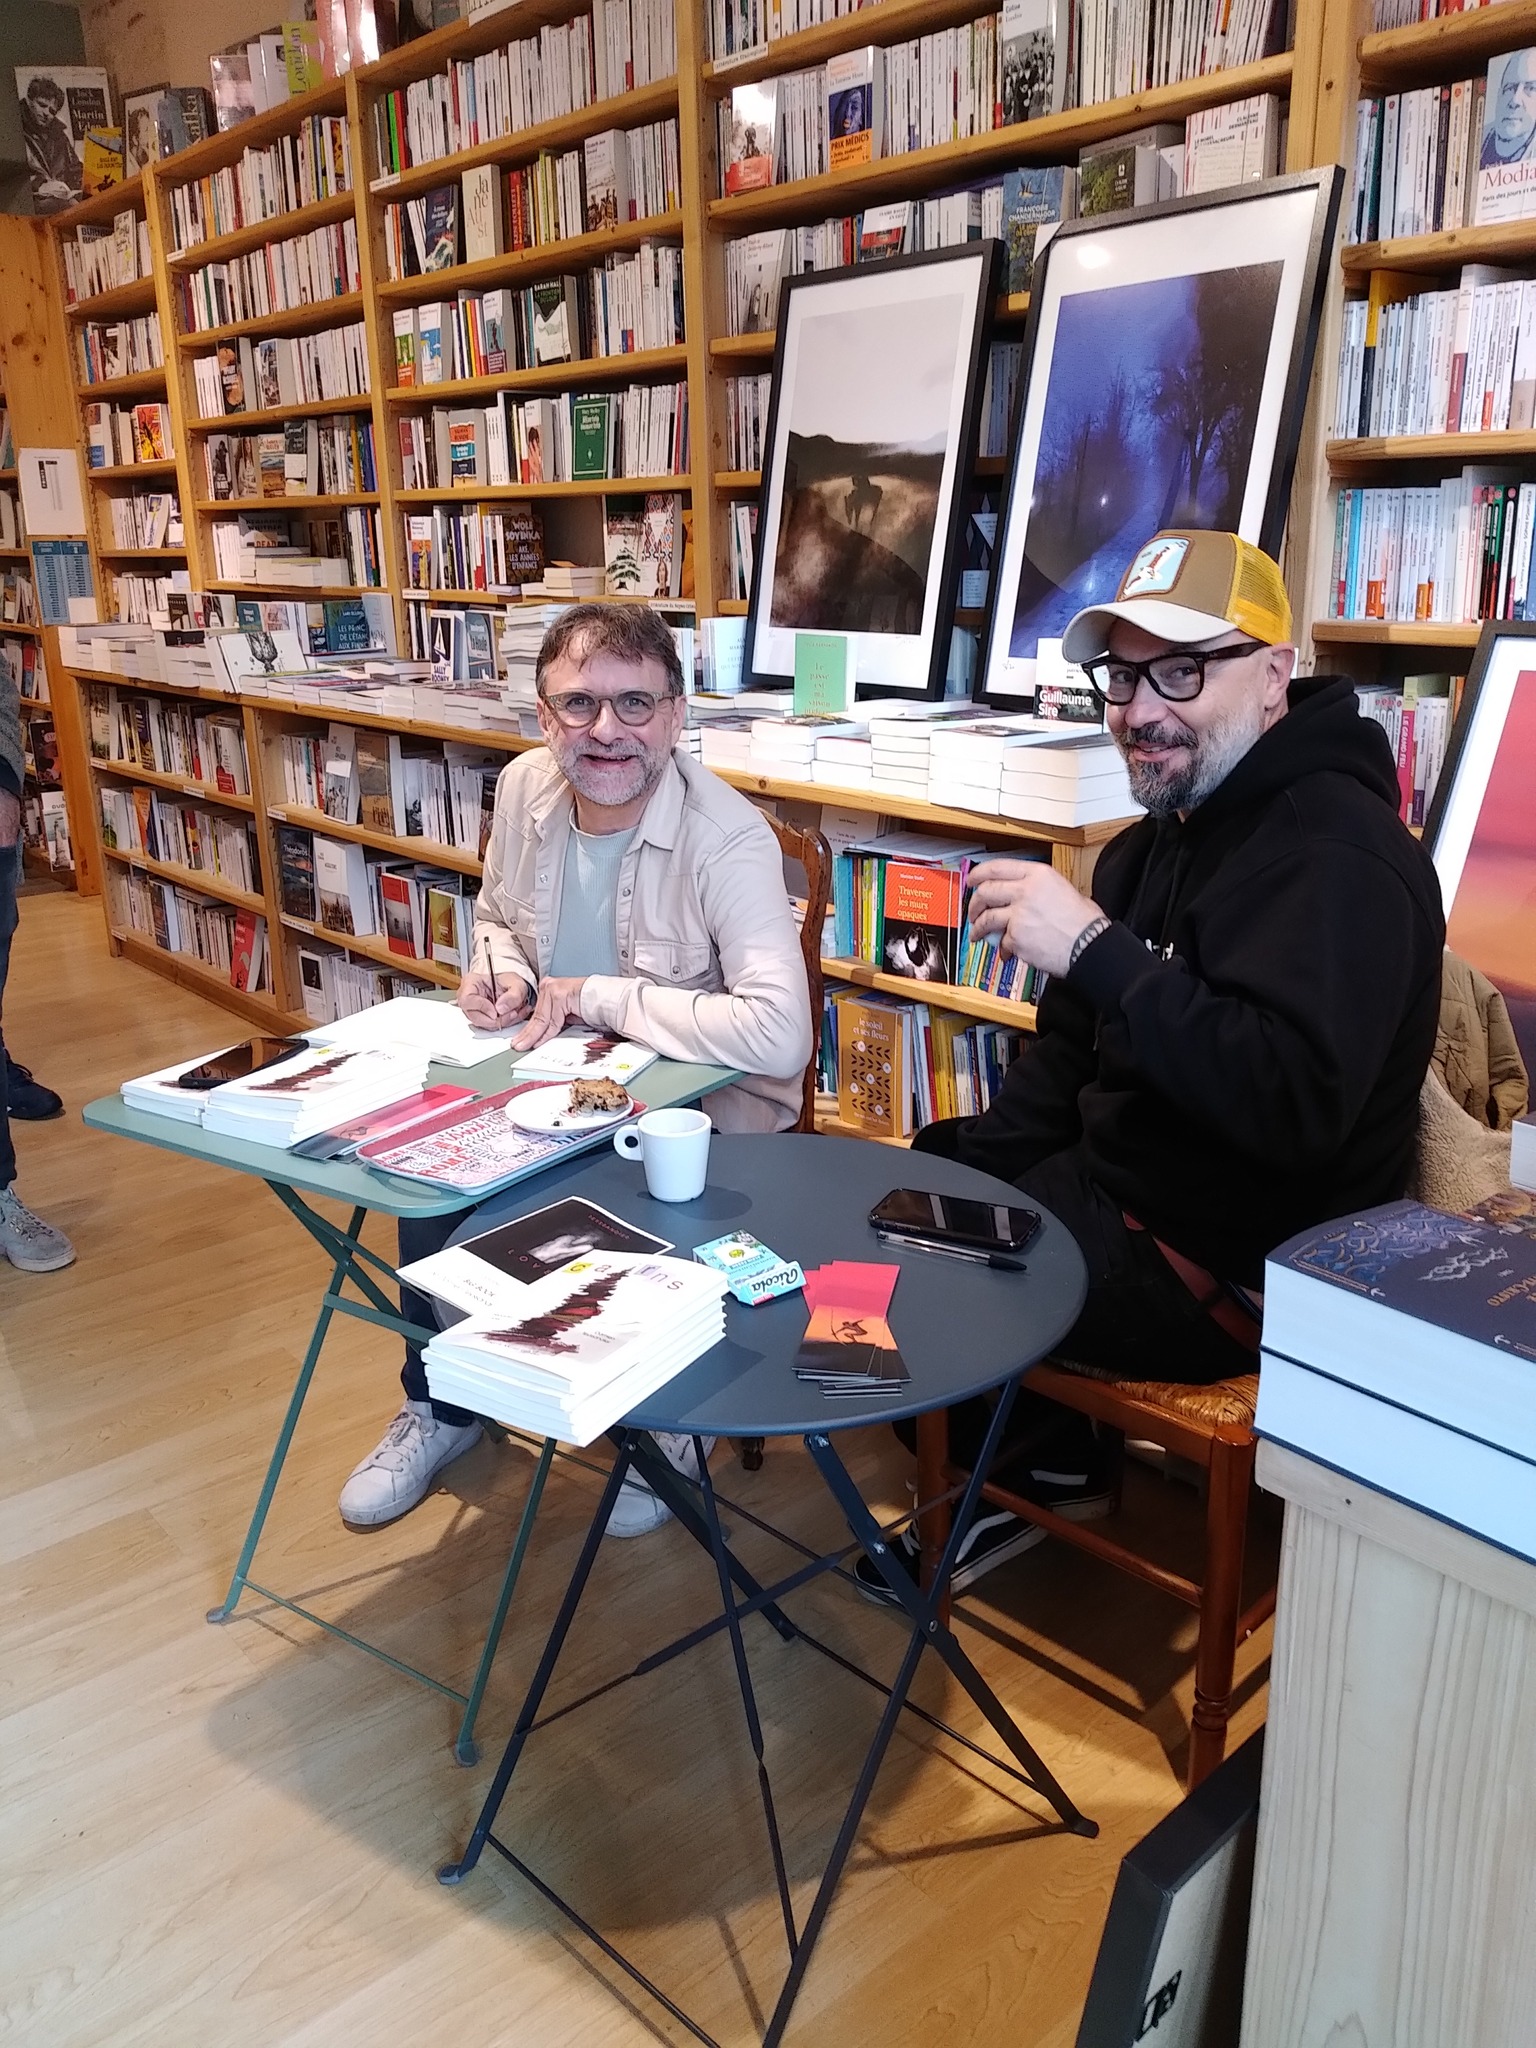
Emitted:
<point x="26" y="1240"/>
<point x="426" y="1435"/>
<point x="1140" y="1322"/>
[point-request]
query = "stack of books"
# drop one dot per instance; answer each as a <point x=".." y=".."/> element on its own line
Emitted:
<point x="965" y="760"/>
<point x="845" y="760"/>
<point x="790" y="746"/>
<point x="899" y="747"/>
<point x="1396" y="1350"/>
<point x="317" y="1091"/>
<point x="161" y="1094"/>
<point x="585" y="1345"/>
<point x="1076" y="781"/>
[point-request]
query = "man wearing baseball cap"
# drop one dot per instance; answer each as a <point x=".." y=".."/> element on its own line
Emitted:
<point x="1239" y="1019"/>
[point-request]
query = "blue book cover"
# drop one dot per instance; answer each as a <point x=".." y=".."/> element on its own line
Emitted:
<point x="1031" y="197"/>
<point x="1470" y="1274"/>
<point x="441" y="239"/>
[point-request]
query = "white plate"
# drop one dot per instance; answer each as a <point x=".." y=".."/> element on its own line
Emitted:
<point x="548" y="1109"/>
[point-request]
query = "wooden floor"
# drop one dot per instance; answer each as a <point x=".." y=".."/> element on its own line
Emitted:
<point x="227" y="1836"/>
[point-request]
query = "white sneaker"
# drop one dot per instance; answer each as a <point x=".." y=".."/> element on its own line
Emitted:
<point x="392" y="1479"/>
<point x="638" y="1510"/>
<point x="27" y="1241"/>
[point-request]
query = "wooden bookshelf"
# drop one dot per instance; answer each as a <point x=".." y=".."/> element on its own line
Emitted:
<point x="1390" y="633"/>
<point x="524" y="266"/>
<point x="634" y="109"/>
<point x="1320" y="92"/>
<point x="310" y="319"/>
<point x="173" y="785"/>
<point x="191" y="973"/>
<point x="189" y="878"/>
<point x="1356" y="64"/>
<point x="261" y="234"/>
<point x="938" y="995"/>
<point x="573" y="376"/>
<point x="1047" y="140"/>
<point x="376" y="949"/>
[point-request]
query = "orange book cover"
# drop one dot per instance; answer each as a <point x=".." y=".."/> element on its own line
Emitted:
<point x="874" y="1091"/>
<point x="920" y="935"/>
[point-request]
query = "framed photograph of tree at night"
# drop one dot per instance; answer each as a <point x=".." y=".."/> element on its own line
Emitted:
<point x="1165" y="376"/>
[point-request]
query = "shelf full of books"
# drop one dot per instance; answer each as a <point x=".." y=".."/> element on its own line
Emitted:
<point x="1433" y="428"/>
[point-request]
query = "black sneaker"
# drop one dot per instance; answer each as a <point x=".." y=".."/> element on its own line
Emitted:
<point x="1075" y="1496"/>
<point x="991" y="1540"/>
<point x="28" y="1100"/>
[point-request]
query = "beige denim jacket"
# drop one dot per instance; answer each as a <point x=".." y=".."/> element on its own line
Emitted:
<point x="706" y="938"/>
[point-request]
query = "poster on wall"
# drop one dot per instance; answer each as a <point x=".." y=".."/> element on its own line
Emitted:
<point x="1481" y="829"/>
<point x="877" y="377"/>
<point x="1165" y="375"/>
<point x="60" y="106"/>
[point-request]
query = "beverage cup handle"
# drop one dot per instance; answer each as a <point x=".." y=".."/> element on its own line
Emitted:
<point x="627" y="1142"/>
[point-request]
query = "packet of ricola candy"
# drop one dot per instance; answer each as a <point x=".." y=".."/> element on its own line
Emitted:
<point x="753" y="1272"/>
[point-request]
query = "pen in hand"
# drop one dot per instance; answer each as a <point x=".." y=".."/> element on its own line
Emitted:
<point x="490" y="968"/>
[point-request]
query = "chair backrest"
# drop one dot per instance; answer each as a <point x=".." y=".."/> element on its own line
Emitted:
<point x="806" y="845"/>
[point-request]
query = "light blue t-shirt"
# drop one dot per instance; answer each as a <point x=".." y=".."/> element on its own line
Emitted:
<point x="586" y="938"/>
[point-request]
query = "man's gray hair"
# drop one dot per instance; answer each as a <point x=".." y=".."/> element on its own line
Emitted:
<point x="633" y="632"/>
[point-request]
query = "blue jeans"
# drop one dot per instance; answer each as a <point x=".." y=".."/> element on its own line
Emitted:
<point x="10" y="874"/>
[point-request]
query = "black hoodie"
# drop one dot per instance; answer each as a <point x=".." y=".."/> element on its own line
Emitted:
<point x="1240" y="1054"/>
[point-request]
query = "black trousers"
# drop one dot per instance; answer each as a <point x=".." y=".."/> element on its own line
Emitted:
<point x="420" y="1236"/>
<point x="1139" y="1320"/>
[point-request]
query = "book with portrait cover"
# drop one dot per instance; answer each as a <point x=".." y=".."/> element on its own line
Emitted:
<point x="855" y="107"/>
<point x="754" y="136"/>
<point x="1506" y="163"/>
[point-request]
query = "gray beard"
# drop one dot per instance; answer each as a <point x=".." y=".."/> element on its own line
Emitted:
<point x="1208" y="760"/>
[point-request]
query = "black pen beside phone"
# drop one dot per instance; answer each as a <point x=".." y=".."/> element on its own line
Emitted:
<point x="956" y="1227"/>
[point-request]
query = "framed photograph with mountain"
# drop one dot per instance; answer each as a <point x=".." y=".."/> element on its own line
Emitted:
<point x="1165" y="374"/>
<point x="874" y="413"/>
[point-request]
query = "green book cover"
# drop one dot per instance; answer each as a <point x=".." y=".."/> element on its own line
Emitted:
<point x="590" y="426"/>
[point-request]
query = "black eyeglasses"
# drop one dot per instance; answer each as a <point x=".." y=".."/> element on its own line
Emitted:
<point x="579" y="710"/>
<point x="1176" y="677"/>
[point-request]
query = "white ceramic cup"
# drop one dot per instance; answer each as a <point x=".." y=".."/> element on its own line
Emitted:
<point x="674" y="1144"/>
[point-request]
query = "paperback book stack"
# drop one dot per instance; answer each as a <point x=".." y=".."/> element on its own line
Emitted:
<point x="586" y="1344"/>
<point x="1397" y="1349"/>
<point x="788" y="747"/>
<point x="317" y="1091"/>
<point x="900" y="744"/>
<point x="1076" y="781"/>
<point x="966" y="759"/>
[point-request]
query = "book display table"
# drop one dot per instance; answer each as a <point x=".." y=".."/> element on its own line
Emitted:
<point x="1397" y="1826"/>
<point x="962" y="1329"/>
<point x="295" y="1182"/>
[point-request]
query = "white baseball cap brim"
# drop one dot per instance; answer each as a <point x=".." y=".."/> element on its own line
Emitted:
<point x="1087" y="635"/>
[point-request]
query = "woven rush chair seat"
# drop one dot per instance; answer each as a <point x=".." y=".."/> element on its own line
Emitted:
<point x="1231" y="1400"/>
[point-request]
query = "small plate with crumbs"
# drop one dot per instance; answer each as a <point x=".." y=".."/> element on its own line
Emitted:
<point x="584" y="1105"/>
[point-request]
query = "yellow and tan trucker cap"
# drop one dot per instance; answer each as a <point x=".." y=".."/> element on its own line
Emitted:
<point x="1189" y="587"/>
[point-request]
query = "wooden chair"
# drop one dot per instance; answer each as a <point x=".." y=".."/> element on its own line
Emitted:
<point x="803" y="843"/>
<point x="1212" y="1426"/>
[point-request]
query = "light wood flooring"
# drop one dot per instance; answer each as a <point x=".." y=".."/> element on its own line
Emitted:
<point x="214" y="1837"/>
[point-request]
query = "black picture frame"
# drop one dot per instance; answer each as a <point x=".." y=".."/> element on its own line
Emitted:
<point x="1326" y="184"/>
<point x="1452" y="818"/>
<point x="795" y="295"/>
<point x="1165" y="1975"/>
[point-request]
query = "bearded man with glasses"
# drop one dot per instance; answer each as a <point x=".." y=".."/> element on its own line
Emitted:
<point x="628" y="888"/>
<point x="1238" y="1021"/>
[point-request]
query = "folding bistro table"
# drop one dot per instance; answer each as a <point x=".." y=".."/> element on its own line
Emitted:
<point x="963" y="1329"/>
<point x="292" y="1179"/>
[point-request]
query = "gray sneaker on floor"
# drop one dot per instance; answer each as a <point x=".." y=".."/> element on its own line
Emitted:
<point x="399" y="1473"/>
<point x="27" y="1241"/>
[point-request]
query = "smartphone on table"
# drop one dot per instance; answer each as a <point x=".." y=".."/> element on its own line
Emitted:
<point x="956" y="1221"/>
<point x="241" y="1061"/>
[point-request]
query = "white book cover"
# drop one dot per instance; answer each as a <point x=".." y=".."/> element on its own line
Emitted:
<point x="1506" y="173"/>
<point x="417" y="1024"/>
<point x="588" y="1055"/>
<point x="579" y="1327"/>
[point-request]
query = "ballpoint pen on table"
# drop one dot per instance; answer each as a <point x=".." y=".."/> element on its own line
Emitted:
<point x="998" y="1261"/>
